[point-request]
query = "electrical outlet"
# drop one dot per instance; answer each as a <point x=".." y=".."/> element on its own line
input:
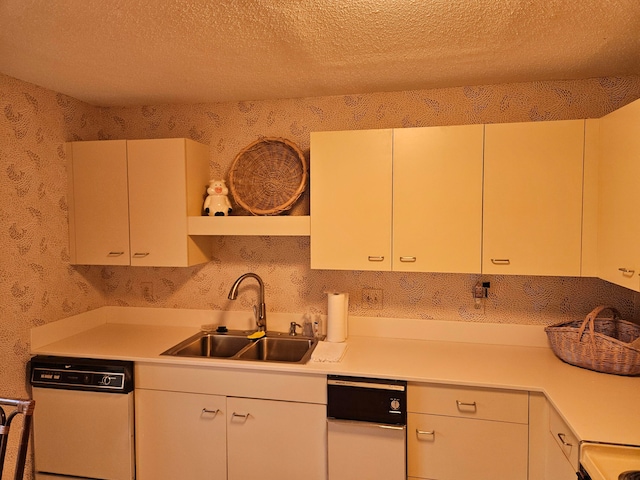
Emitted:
<point x="372" y="298"/>
<point x="146" y="289"/>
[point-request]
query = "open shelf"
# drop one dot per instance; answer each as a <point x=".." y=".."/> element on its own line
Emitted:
<point x="273" y="225"/>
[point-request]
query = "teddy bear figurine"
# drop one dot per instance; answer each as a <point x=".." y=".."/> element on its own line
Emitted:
<point x="217" y="203"/>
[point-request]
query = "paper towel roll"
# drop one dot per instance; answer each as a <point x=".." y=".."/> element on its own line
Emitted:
<point x="337" y="316"/>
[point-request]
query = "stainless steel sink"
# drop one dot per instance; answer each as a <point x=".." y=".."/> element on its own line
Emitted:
<point x="279" y="349"/>
<point x="205" y="344"/>
<point x="235" y="345"/>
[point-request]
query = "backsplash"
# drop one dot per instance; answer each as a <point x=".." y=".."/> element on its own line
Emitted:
<point x="37" y="285"/>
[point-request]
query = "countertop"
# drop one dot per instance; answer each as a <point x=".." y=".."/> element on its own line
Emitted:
<point x="598" y="407"/>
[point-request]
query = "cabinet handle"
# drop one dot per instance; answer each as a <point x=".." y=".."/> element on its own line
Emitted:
<point x="431" y="433"/>
<point x="385" y="426"/>
<point x="375" y="259"/>
<point x="463" y="405"/>
<point x="501" y="261"/>
<point x="627" y="272"/>
<point x="245" y="416"/>
<point x="115" y="254"/>
<point x="564" y="442"/>
<point x="140" y="254"/>
<point x="408" y="259"/>
<point x="215" y="412"/>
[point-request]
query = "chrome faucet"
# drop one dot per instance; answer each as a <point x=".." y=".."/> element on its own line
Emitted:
<point x="261" y="317"/>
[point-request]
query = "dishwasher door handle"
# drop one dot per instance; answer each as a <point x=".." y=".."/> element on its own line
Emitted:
<point x="386" y="426"/>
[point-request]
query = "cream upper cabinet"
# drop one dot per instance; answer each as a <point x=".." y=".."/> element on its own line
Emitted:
<point x="618" y="229"/>
<point x="129" y="202"/>
<point x="402" y="200"/>
<point x="533" y="196"/>
<point x="437" y="199"/>
<point x="167" y="181"/>
<point x="351" y="188"/>
<point x="98" y="203"/>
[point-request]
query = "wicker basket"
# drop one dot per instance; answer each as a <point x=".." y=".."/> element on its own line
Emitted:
<point x="607" y="345"/>
<point x="268" y="176"/>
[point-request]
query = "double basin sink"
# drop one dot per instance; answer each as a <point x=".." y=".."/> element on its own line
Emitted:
<point x="235" y="345"/>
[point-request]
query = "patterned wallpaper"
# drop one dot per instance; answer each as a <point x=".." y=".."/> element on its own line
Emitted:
<point x="37" y="284"/>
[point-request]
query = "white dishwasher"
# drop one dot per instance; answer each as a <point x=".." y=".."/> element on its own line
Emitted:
<point x="83" y="423"/>
<point x="366" y="428"/>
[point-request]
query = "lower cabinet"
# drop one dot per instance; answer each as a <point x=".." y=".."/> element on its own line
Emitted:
<point x="180" y="435"/>
<point x="562" y="449"/>
<point x="553" y="448"/>
<point x="203" y="434"/>
<point x="214" y="424"/>
<point x="458" y="433"/>
<point x="557" y="467"/>
<point x="274" y="440"/>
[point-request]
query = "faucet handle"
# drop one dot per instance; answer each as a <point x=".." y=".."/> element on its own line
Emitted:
<point x="292" y="329"/>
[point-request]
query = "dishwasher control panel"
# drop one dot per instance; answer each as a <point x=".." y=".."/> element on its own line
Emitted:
<point x="81" y="374"/>
<point x="367" y="399"/>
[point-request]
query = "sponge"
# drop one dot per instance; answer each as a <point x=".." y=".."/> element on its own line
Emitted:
<point x="256" y="335"/>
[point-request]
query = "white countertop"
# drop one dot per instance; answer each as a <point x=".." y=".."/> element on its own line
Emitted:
<point x="598" y="407"/>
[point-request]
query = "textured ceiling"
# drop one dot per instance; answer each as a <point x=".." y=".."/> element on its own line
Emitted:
<point x="125" y="52"/>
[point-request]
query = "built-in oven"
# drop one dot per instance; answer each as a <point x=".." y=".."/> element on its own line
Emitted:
<point x="83" y="420"/>
<point x="600" y="461"/>
<point x="366" y="428"/>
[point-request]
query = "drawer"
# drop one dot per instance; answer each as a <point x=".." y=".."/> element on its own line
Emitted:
<point x="231" y="382"/>
<point x="564" y="437"/>
<point x="452" y="448"/>
<point x="479" y="403"/>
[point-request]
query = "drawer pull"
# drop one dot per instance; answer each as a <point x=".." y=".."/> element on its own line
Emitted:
<point x="375" y="259"/>
<point x="564" y="442"/>
<point x="501" y="261"/>
<point x="431" y="433"/>
<point x="115" y="254"/>
<point x="408" y="259"/>
<point x="244" y="416"/>
<point x="140" y="254"/>
<point x="386" y="426"/>
<point x="627" y="272"/>
<point x="215" y="412"/>
<point x="466" y="405"/>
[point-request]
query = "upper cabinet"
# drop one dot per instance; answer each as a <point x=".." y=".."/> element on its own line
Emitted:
<point x="619" y="174"/>
<point x="495" y="199"/>
<point x="351" y="187"/>
<point x="533" y="197"/>
<point x="129" y="201"/>
<point x="437" y="199"/>
<point x="401" y="200"/>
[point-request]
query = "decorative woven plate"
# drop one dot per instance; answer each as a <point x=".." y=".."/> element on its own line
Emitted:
<point x="268" y="176"/>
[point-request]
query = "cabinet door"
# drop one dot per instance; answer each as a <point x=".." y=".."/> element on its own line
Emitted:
<point x="533" y="198"/>
<point x="450" y="448"/>
<point x="160" y="174"/>
<point x="274" y="440"/>
<point x="98" y="203"/>
<point x="351" y="200"/>
<point x="618" y="227"/>
<point x="557" y="466"/>
<point x="437" y="199"/>
<point x="180" y="435"/>
<point x="365" y="450"/>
